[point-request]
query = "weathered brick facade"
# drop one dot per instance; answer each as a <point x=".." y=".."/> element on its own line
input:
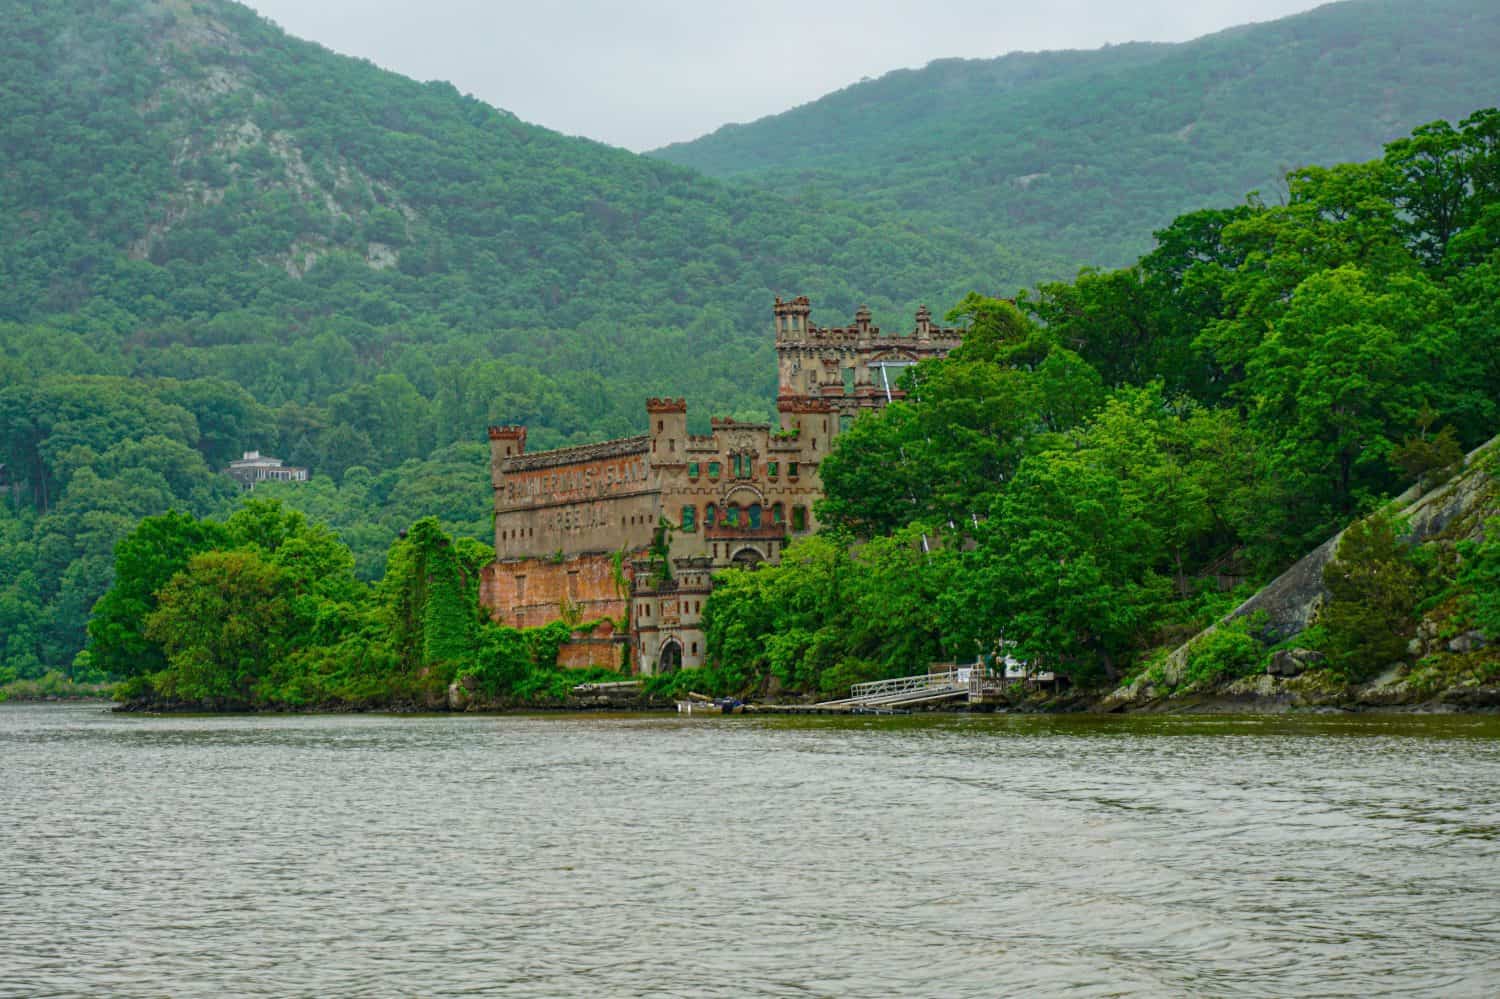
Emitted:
<point x="574" y="527"/>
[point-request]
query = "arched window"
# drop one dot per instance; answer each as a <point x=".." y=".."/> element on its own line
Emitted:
<point x="799" y="518"/>
<point x="689" y="518"/>
<point x="778" y="513"/>
<point x="732" y="515"/>
<point x="710" y="515"/>
<point x="752" y="514"/>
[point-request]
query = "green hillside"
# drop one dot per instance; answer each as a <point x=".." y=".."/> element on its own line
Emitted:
<point x="1087" y="153"/>
<point x="217" y="238"/>
<point x="220" y="197"/>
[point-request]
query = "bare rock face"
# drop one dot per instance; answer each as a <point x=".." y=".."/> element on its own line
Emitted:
<point x="1469" y="641"/>
<point x="461" y="695"/>
<point x="1291" y="601"/>
<point x="1294" y="662"/>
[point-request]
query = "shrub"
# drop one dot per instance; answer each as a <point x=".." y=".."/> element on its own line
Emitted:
<point x="1227" y="652"/>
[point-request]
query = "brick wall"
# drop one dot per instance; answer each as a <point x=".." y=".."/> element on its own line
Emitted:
<point x="530" y="592"/>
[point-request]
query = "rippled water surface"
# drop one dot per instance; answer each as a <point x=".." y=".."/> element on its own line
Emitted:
<point x="634" y="855"/>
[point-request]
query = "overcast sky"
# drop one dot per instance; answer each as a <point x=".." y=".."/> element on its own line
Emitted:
<point x="645" y="73"/>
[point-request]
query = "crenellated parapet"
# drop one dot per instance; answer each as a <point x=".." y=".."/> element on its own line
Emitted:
<point x="853" y="368"/>
<point x="792" y="330"/>
<point x="510" y="433"/>
<point x="655" y="405"/>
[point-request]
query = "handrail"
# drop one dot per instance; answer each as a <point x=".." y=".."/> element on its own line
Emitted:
<point x="950" y="677"/>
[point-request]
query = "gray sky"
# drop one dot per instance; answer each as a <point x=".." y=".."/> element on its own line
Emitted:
<point x="650" y="72"/>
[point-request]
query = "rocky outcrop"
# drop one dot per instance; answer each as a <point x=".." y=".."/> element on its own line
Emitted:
<point x="1452" y="511"/>
<point x="1293" y="662"/>
<point x="1455" y="509"/>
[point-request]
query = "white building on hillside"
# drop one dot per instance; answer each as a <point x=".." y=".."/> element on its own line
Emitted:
<point x="255" y="467"/>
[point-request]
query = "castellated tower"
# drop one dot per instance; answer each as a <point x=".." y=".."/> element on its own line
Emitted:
<point x="668" y="430"/>
<point x="505" y="443"/>
<point x="850" y="369"/>
<point x="791" y="317"/>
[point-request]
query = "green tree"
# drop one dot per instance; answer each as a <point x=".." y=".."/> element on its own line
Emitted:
<point x="145" y="560"/>
<point x="1375" y="584"/>
<point x="222" y="622"/>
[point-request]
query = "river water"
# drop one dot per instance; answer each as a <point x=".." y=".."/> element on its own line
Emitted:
<point x="647" y="855"/>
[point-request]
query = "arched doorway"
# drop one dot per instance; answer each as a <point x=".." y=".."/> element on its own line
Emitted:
<point x="670" y="660"/>
<point x="747" y="558"/>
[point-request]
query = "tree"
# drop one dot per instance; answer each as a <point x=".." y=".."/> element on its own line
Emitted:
<point x="1444" y="179"/>
<point x="222" y="622"/>
<point x="1339" y="378"/>
<point x="145" y="560"/>
<point x="1374" y="584"/>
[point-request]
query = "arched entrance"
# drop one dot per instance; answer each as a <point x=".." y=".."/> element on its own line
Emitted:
<point x="670" y="660"/>
<point x="747" y="558"/>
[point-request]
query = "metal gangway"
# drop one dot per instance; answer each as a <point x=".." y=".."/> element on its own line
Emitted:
<point x="945" y="683"/>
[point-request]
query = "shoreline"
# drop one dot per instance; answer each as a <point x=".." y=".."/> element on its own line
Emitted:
<point x="1478" y="702"/>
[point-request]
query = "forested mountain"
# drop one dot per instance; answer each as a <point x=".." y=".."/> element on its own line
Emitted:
<point x="1087" y="153"/>
<point x="217" y="237"/>
<point x="207" y="196"/>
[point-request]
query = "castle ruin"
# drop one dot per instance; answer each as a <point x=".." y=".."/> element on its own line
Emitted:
<point x="578" y="530"/>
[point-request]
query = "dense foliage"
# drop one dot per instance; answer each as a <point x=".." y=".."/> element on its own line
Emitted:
<point x="1083" y="154"/>
<point x="268" y="613"/>
<point x="1104" y="462"/>
<point x="193" y="194"/>
<point x="219" y="238"/>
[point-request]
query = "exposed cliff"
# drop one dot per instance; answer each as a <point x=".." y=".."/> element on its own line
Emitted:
<point x="1448" y="661"/>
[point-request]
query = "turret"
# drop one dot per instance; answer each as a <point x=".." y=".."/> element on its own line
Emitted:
<point x="924" y="323"/>
<point x="505" y="442"/>
<point x="862" y="320"/>
<point x="668" y="429"/>
<point x="791" y="317"/>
